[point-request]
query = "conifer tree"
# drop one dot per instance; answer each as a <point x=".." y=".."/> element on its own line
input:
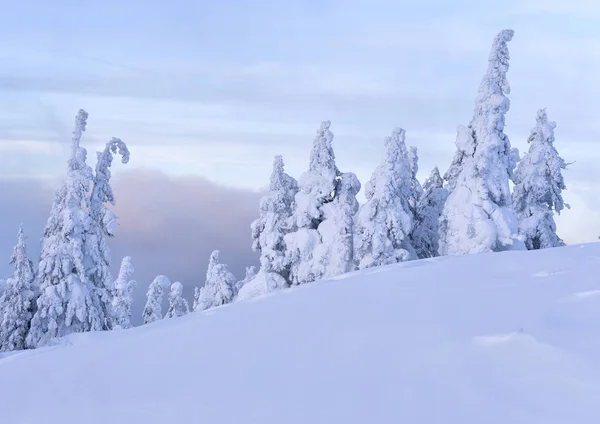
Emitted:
<point x="429" y="209"/>
<point x="538" y="187"/>
<point x="17" y="303"/>
<point x="317" y="187"/>
<point x="250" y="275"/>
<point x="102" y="224"/>
<point x="478" y="215"/>
<point x="218" y="288"/>
<point x="153" y="309"/>
<point x="178" y="306"/>
<point x="274" y="223"/>
<point x="384" y="222"/>
<point x="123" y="299"/>
<point x="68" y="302"/>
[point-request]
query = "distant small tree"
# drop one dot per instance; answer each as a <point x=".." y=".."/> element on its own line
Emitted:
<point x="17" y="303"/>
<point x="538" y="187"/>
<point x="178" y="306"/>
<point x="425" y="236"/>
<point x="218" y="288"/>
<point x="250" y="275"/>
<point x="153" y="310"/>
<point x="123" y="299"/>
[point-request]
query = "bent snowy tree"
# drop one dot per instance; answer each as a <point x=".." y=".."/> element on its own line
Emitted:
<point x="478" y="215"/>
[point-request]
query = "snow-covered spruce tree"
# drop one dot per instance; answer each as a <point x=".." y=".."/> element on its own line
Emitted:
<point x="538" y="187"/>
<point x="2" y="286"/>
<point x="178" y="306"/>
<point x="273" y="224"/>
<point x="17" y="304"/>
<point x="122" y="300"/>
<point x="478" y="215"/>
<point x="335" y="254"/>
<point x="68" y="301"/>
<point x="250" y="275"/>
<point x="218" y="288"/>
<point x="316" y="188"/>
<point x="153" y="309"/>
<point x="384" y="222"/>
<point x="416" y="190"/>
<point x="429" y="209"/>
<point x="102" y="224"/>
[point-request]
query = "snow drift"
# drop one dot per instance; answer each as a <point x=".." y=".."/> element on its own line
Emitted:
<point x="508" y="337"/>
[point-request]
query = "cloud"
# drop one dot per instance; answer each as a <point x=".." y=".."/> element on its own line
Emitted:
<point x="168" y="225"/>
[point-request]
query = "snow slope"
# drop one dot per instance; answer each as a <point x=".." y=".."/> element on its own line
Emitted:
<point x="508" y="337"/>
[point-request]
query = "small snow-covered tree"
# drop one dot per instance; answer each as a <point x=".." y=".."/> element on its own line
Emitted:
<point x="478" y="215"/>
<point x="153" y="309"/>
<point x="416" y="190"/>
<point x="17" y="303"/>
<point x="316" y="188"/>
<point x="250" y="275"/>
<point x="218" y="288"/>
<point x="102" y="224"/>
<point x="122" y="300"/>
<point x="178" y="306"/>
<point x="68" y="301"/>
<point x="538" y="187"/>
<point x="274" y="223"/>
<point x="335" y="254"/>
<point x="384" y="222"/>
<point x="429" y="209"/>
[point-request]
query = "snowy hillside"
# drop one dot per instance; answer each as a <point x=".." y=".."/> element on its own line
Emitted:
<point x="501" y="338"/>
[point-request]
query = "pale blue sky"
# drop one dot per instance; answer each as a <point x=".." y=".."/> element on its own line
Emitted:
<point x="218" y="88"/>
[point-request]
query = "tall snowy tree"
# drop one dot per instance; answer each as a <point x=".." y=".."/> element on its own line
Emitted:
<point x="178" y="306"/>
<point x="429" y="209"/>
<point x="153" y="309"/>
<point x="274" y="223"/>
<point x="69" y="302"/>
<point x="384" y="222"/>
<point x="538" y="187"/>
<point x="218" y="288"/>
<point x="17" y="303"/>
<point x="317" y="188"/>
<point x="122" y="300"/>
<point x="335" y="254"/>
<point x="102" y="224"/>
<point x="416" y="190"/>
<point x="2" y="286"/>
<point x="478" y="215"/>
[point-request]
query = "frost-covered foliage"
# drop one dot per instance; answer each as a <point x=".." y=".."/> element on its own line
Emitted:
<point x="335" y="254"/>
<point x="416" y="190"/>
<point x="429" y="209"/>
<point x="318" y="187"/>
<point x="153" y="309"/>
<point x="478" y="215"/>
<point x="102" y="224"/>
<point x="538" y="187"/>
<point x="2" y="286"/>
<point x="250" y="275"/>
<point x="178" y="306"/>
<point x="17" y="303"/>
<point x="69" y="302"/>
<point x="274" y="223"/>
<point x="384" y="222"/>
<point x="218" y="288"/>
<point x="122" y="299"/>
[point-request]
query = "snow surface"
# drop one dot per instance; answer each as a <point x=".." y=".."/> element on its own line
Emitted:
<point x="511" y="337"/>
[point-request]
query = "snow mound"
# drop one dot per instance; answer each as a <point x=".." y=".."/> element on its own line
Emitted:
<point x="471" y="340"/>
